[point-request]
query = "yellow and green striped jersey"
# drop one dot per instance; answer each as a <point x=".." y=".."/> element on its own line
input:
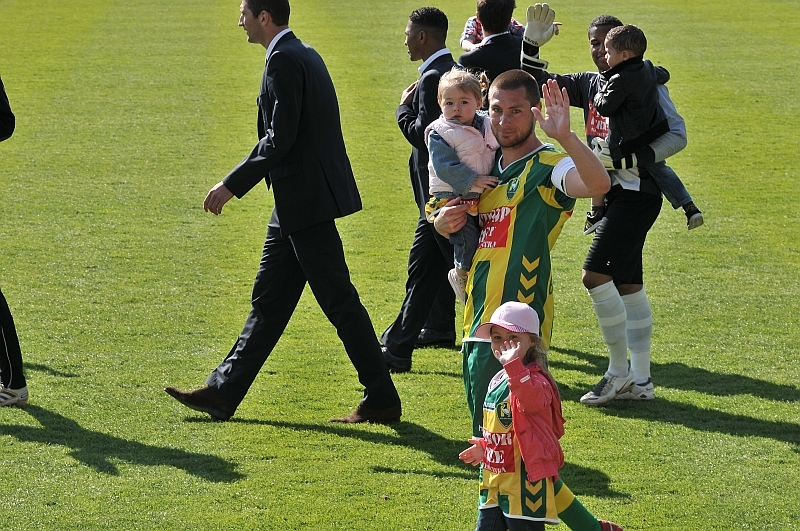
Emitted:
<point x="520" y="221"/>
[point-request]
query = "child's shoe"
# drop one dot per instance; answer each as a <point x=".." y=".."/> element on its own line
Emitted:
<point x="694" y="218"/>
<point x="459" y="285"/>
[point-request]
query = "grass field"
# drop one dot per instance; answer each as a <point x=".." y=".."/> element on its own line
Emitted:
<point x="120" y="284"/>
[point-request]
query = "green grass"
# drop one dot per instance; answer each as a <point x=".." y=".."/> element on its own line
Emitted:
<point x="128" y="112"/>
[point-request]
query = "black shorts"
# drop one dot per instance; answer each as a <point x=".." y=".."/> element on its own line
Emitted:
<point x="616" y="250"/>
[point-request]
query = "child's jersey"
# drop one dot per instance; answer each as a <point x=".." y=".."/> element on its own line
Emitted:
<point x="504" y="480"/>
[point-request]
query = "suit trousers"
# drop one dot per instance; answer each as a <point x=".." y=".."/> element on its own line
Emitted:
<point x="314" y="255"/>
<point x="10" y="352"/>
<point x="429" y="260"/>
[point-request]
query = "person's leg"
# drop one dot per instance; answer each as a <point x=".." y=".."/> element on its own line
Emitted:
<point x="610" y="312"/>
<point x="464" y="251"/>
<point x="616" y="253"/>
<point x="465" y="242"/>
<point x="277" y="288"/>
<point x="571" y="511"/>
<point x="491" y="519"/>
<point x="11" y="370"/>
<point x="639" y="333"/>
<point x="439" y="328"/>
<point x="427" y="272"/>
<point x="669" y="183"/>
<point x="673" y="189"/>
<point x="321" y="255"/>
<point x="521" y="524"/>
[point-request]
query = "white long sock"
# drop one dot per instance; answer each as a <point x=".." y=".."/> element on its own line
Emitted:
<point x="610" y="311"/>
<point x="639" y="326"/>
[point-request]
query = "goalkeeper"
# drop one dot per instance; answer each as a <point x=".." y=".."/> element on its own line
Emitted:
<point x="583" y="89"/>
<point x="612" y="272"/>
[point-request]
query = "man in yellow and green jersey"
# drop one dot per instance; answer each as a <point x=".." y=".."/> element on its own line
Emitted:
<point x="521" y="219"/>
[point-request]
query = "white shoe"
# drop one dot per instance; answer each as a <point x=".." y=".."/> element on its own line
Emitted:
<point x="459" y="285"/>
<point x="607" y="389"/>
<point x="639" y="392"/>
<point x="13" y="397"/>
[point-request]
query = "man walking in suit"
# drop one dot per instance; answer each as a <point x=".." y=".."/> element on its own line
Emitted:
<point x="301" y="154"/>
<point x="431" y="255"/>
<point x="499" y="50"/>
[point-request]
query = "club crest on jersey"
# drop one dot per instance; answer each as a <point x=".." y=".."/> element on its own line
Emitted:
<point x="503" y="412"/>
<point x="512" y="187"/>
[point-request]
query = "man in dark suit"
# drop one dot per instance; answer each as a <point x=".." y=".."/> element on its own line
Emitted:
<point x="429" y="296"/>
<point x="499" y="51"/>
<point x="301" y="154"/>
<point x="13" y="388"/>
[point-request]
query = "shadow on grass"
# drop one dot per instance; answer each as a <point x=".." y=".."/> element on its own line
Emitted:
<point x="38" y="367"/>
<point x="680" y="376"/>
<point x="708" y="420"/>
<point x="98" y="450"/>
<point x="445" y="452"/>
<point x="686" y="378"/>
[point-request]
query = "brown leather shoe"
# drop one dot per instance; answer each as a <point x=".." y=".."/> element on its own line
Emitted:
<point x="385" y="415"/>
<point x="204" y="399"/>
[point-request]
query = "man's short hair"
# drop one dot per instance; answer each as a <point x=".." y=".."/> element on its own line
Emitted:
<point x="432" y="20"/>
<point x="495" y="15"/>
<point x="605" y="20"/>
<point x="518" y="79"/>
<point x="277" y="9"/>
<point x="627" y="38"/>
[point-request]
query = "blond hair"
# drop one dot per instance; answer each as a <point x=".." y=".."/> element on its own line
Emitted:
<point x="536" y="354"/>
<point x="462" y="80"/>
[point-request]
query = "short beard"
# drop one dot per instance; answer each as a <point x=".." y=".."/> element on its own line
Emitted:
<point x="517" y="141"/>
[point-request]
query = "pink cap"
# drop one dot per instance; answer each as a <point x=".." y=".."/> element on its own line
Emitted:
<point x="514" y="317"/>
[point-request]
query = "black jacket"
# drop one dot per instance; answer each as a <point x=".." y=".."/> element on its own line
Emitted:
<point x="630" y="101"/>
<point x="301" y="151"/>
<point x="497" y="55"/>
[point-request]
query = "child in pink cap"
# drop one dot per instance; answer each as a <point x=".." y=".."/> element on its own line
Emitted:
<point x="519" y="452"/>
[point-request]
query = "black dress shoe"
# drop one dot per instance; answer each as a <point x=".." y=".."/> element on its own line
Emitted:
<point x="428" y="337"/>
<point x="386" y="415"/>
<point x="396" y="364"/>
<point x="204" y="399"/>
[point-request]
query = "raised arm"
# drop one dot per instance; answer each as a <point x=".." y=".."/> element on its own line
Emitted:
<point x="588" y="178"/>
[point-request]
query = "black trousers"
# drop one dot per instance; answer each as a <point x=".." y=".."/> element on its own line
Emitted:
<point x="429" y="260"/>
<point x="314" y="255"/>
<point x="10" y="353"/>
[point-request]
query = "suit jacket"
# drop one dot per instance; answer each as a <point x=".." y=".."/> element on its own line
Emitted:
<point x="301" y="151"/>
<point x="7" y="121"/>
<point x="495" y="56"/>
<point x="413" y="118"/>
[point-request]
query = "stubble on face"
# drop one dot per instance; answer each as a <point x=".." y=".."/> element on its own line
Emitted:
<point x="510" y="117"/>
